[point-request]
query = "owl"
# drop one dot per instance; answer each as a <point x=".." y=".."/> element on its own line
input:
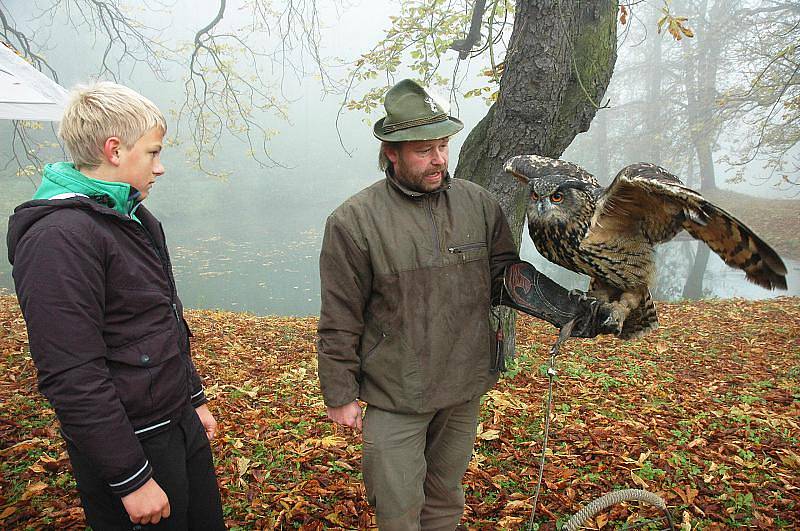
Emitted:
<point x="610" y="234"/>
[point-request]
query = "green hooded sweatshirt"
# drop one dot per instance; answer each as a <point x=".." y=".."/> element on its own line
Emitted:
<point x="63" y="178"/>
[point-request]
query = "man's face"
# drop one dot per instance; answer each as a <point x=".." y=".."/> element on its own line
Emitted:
<point x="140" y="164"/>
<point x="420" y="165"/>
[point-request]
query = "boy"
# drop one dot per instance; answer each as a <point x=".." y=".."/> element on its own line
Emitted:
<point x="105" y="324"/>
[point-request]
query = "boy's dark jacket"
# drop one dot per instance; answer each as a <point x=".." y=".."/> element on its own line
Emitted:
<point x="105" y="327"/>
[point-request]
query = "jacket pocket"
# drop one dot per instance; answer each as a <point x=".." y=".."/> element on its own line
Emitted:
<point x="371" y="350"/>
<point x="391" y="377"/>
<point x="468" y="252"/>
<point x="148" y="374"/>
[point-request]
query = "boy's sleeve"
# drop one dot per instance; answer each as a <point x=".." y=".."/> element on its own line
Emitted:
<point x="198" y="396"/>
<point x="60" y="282"/>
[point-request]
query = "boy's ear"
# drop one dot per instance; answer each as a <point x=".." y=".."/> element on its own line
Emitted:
<point x="111" y="149"/>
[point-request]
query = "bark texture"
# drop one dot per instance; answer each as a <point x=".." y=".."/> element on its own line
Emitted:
<point x="559" y="62"/>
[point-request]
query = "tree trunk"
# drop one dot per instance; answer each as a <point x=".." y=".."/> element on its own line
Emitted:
<point x="708" y="179"/>
<point x="560" y="59"/>
<point x="693" y="289"/>
<point x="702" y="59"/>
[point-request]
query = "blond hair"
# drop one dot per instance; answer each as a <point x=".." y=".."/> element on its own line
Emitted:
<point x="101" y="110"/>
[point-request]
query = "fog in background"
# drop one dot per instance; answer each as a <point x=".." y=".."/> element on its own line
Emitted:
<point x="250" y="241"/>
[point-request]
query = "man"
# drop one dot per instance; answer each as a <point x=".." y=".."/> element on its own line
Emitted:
<point x="409" y="267"/>
<point x="105" y="324"/>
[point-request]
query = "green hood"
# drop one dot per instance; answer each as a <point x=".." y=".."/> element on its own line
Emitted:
<point x="63" y="178"/>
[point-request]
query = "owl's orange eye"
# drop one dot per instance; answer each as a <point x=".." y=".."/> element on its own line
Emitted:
<point x="557" y="197"/>
<point x="534" y="196"/>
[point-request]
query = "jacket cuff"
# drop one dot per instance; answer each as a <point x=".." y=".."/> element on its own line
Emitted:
<point x="198" y="398"/>
<point x="127" y="484"/>
<point x="339" y="403"/>
<point x="338" y="396"/>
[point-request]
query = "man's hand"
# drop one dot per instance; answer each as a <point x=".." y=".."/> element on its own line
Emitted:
<point x="148" y="504"/>
<point x="207" y="420"/>
<point x="346" y="415"/>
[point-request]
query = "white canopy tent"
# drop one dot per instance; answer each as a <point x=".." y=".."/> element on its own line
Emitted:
<point x="26" y="93"/>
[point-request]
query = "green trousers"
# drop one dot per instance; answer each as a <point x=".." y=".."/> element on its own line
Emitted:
<point x="413" y="466"/>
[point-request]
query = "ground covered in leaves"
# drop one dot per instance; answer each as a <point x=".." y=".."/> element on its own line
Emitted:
<point x="705" y="412"/>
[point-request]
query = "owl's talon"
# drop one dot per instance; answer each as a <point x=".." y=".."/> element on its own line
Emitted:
<point x="613" y="323"/>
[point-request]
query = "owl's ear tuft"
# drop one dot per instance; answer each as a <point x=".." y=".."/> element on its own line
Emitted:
<point x="575" y="183"/>
<point x="523" y="179"/>
<point x="512" y="166"/>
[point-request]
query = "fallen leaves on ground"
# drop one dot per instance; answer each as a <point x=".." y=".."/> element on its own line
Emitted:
<point x="705" y="412"/>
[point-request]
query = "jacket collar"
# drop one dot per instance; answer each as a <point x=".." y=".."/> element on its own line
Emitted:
<point x="62" y="179"/>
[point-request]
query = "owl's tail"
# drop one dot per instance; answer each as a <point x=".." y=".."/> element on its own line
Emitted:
<point x="642" y="319"/>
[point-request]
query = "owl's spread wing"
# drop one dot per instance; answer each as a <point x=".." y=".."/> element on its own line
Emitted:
<point x="646" y="202"/>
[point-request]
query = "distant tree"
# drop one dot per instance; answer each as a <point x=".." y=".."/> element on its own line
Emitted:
<point x="718" y="101"/>
<point x="765" y="97"/>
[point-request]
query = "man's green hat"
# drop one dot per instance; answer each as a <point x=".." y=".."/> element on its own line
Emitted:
<point x="414" y="114"/>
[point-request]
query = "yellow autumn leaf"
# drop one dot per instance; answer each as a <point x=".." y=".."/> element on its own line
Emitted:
<point x="790" y="459"/>
<point x="329" y="441"/>
<point x="242" y="464"/>
<point x="33" y="490"/>
<point x="334" y="519"/>
<point x="8" y="511"/>
<point x="639" y="481"/>
<point x="517" y="504"/>
<point x="489" y="435"/>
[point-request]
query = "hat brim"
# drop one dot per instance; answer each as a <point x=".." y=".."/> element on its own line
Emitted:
<point x="432" y="131"/>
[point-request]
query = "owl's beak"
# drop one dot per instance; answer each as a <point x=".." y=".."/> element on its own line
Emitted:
<point x="542" y="206"/>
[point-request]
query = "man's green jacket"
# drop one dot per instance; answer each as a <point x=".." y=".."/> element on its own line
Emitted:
<point x="407" y="283"/>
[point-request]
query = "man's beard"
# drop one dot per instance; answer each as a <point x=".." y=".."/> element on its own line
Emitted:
<point x="416" y="181"/>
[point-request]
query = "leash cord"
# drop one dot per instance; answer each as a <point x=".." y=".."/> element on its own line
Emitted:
<point x="563" y="335"/>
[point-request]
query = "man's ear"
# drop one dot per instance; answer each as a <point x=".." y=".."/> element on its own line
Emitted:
<point x="392" y="153"/>
<point x="111" y="149"/>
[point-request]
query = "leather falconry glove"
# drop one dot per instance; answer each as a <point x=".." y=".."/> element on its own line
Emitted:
<point x="528" y="290"/>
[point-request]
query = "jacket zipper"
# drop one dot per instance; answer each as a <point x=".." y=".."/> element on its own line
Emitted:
<point x="163" y="262"/>
<point x="466" y="247"/>
<point x="183" y="342"/>
<point x="437" y="245"/>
